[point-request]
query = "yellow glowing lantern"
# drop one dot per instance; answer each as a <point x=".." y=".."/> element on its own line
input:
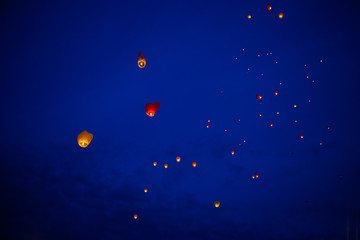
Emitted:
<point x="249" y="16"/>
<point x="141" y="60"/>
<point x="135" y="216"/>
<point x="281" y="15"/>
<point x="165" y="165"/>
<point x="217" y="204"/>
<point x="178" y="159"/>
<point x="194" y="164"/>
<point x="301" y="136"/>
<point x="232" y="152"/>
<point x="145" y="190"/>
<point x="84" y="139"/>
<point x="155" y="163"/>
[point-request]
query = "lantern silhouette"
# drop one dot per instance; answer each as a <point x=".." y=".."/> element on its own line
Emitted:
<point x="217" y="204"/>
<point x="151" y="108"/>
<point x="141" y="60"/>
<point x="194" y="164"/>
<point x="84" y="139"/>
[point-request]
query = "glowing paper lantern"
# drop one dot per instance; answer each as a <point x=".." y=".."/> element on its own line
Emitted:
<point x="281" y="15"/>
<point x="268" y="7"/>
<point x="256" y="175"/>
<point x="178" y="159"/>
<point x="155" y="163"/>
<point x="249" y="17"/>
<point x="194" y="164"/>
<point x="141" y="60"/>
<point x="217" y="204"/>
<point x="151" y="108"/>
<point x="232" y="152"/>
<point x="84" y="139"/>
<point x="135" y="216"/>
<point x="301" y="136"/>
<point x="271" y="124"/>
<point x="145" y="190"/>
<point x="258" y="96"/>
<point x="165" y="165"/>
<point x="276" y="93"/>
<point x="207" y="126"/>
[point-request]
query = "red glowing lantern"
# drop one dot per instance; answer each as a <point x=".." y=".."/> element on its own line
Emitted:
<point x="151" y="108"/>
<point x="256" y="175"/>
<point x="268" y="7"/>
<point x="258" y="96"/>
<point x="194" y="164"/>
<point x="207" y="126"/>
<point x="276" y="93"/>
<point x="271" y="124"/>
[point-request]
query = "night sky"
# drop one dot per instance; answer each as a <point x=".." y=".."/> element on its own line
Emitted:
<point x="71" y="66"/>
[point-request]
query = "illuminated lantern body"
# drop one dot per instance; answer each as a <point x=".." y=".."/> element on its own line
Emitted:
<point x="165" y="165"/>
<point x="281" y="15"/>
<point x="232" y="152"/>
<point x="249" y="17"/>
<point x="84" y="139"/>
<point x="194" y="164"/>
<point x="276" y="93"/>
<point x="256" y="175"/>
<point x="207" y="126"/>
<point x="295" y="105"/>
<point x="151" y="108"/>
<point x="271" y="125"/>
<point x="253" y="177"/>
<point x="145" y="190"/>
<point x="301" y="136"/>
<point x="268" y="7"/>
<point x="217" y="204"/>
<point x="155" y="163"/>
<point x="258" y="96"/>
<point x="135" y="216"/>
<point x="328" y="127"/>
<point x="178" y="159"/>
<point x="141" y="60"/>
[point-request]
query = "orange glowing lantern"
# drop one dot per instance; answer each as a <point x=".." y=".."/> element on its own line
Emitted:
<point x="256" y="175"/>
<point x="217" y="204"/>
<point x="271" y="124"/>
<point x="281" y="15"/>
<point x="328" y="127"/>
<point x="135" y="216"/>
<point x="249" y="17"/>
<point x="276" y="93"/>
<point x="165" y="165"/>
<point x="207" y="126"/>
<point x="232" y="152"/>
<point x="145" y="190"/>
<point x="84" y="139"/>
<point x="268" y="7"/>
<point x="258" y="96"/>
<point x="141" y="60"/>
<point x="155" y="163"/>
<point x="151" y="108"/>
<point x="301" y="136"/>
<point x="194" y="164"/>
<point x="178" y="159"/>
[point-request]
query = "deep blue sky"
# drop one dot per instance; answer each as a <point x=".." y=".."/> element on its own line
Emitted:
<point x="70" y="66"/>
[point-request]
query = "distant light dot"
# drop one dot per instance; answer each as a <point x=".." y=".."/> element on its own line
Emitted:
<point x="244" y="141"/>
<point x="225" y="130"/>
<point x="321" y="60"/>
<point x="258" y="55"/>
<point x="309" y="100"/>
<point x="178" y="159"/>
<point x="307" y="77"/>
<point x="271" y="124"/>
<point x="295" y="105"/>
<point x="232" y="152"/>
<point x="249" y="17"/>
<point x="280" y="83"/>
<point x="321" y="144"/>
<point x="277" y="112"/>
<point x="239" y="119"/>
<point x="301" y="136"/>
<point x="209" y="120"/>
<point x="260" y="115"/>
<point x="313" y="81"/>
<point x="207" y="126"/>
<point x="145" y="190"/>
<point x="155" y="163"/>
<point x="296" y="121"/>
<point x="165" y="165"/>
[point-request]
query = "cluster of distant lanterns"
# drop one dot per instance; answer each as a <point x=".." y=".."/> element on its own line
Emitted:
<point x="268" y="8"/>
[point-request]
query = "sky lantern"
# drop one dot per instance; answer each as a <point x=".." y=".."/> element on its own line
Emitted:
<point x="135" y="216"/>
<point x="295" y="105"/>
<point x="232" y="152"/>
<point x="276" y="92"/>
<point x="84" y="139"/>
<point x="207" y="126"/>
<point x="281" y="15"/>
<point x="301" y="136"/>
<point x="165" y="165"/>
<point x="258" y="96"/>
<point x="145" y="190"/>
<point x="328" y="127"/>
<point x="178" y="159"/>
<point x="256" y="175"/>
<point x="151" y="108"/>
<point x="268" y="7"/>
<point x="249" y="17"/>
<point x="217" y="204"/>
<point x="271" y="124"/>
<point x="194" y="164"/>
<point x="141" y="60"/>
<point x="155" y="163"/>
